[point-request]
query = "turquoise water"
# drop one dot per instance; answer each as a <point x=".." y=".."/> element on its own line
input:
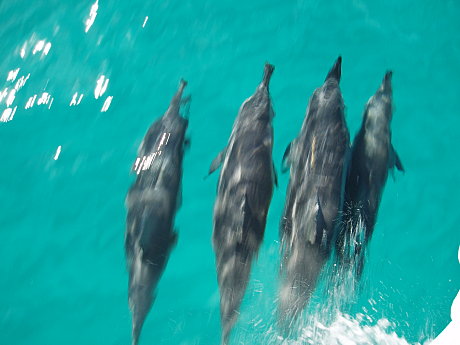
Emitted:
<point x="66" y="165"/>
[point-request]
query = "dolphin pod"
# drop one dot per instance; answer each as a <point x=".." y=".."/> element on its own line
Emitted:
<point x="332" y="198"/>
<point x="152" y="202"/>
<point x="244" y="193"/>
<point x="372" y="156"/>
<point x="317" y="163"/>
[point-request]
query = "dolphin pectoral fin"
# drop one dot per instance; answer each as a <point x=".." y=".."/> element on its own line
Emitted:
<point x="185" y="103"/>
<point x="286" y="163"/>
<point x="396" y="161"/>
<point x="275" y="175"/>
<point x="140" y="300"/>
<point x="173" y="238"/>
<point x="187" y="142"/>
<point x="185" y="100"/>
<point x="216" y="162"/>
<point x="179" y="199"/>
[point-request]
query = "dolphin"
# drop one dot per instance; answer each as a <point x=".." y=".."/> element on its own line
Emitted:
<point x="152" y="202"/>
<point x="244" y="193"/>
<point x="371" y="158"/>
<point x="317" y="160"/>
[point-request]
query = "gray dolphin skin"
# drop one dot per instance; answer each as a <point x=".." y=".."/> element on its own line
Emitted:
<point x="317" y="160"/>
<point x="244" y="193"/>
<point x="152" y="202"/>
<point x="372" y="156"/>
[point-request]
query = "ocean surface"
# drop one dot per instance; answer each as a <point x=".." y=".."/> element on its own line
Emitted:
<point x="80" y="83"/>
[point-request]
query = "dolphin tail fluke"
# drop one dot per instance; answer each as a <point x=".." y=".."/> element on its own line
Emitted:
<point x="295" y="292"/>
<point x="225" y="336"/>
<point x="136" y="332"/>
<point x="336" y="70"/>
<point x="230" y="305"/>
<point x="233" y="275"/>
<point x="138" y="322"/>
<point x="301" y="269"/>
<point x="135" y="336"/>
<point x="288" y="306"/>
<point x="141" y="296"/>
<point x="268" y="71"/>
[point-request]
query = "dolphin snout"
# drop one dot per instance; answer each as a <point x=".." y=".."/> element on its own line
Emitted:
<point x="182" y="85"/>
<point x="336" y="70"/>
<point x="268" y="71"/>
<point x="386" y="82"/>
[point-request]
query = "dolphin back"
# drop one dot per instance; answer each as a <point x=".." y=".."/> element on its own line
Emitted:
<point x="152" y="202"/>
<point x="372" y="156"/>
<point x="317" y="161"/>
<point x="244" y="194"/>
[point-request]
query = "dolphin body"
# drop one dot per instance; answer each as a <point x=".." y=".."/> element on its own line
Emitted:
<point x="244" y="193"/>
<point x="317" y="160"/>
<point x="152" y="202"/>
<point x="372" y="156"/>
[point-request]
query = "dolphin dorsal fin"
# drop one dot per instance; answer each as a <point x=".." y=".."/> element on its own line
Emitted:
<point x="275" y="175"/>
<point x="217" y="162"/>
<point x="285" y="163"/>
<point x="397" y="161"/>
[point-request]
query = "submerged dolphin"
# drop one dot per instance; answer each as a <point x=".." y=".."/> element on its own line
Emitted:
<point x="317" y="160"/>
<point x="244" y="193"/>
<point x="152" y="202"/>
<point x="372" y="156"/>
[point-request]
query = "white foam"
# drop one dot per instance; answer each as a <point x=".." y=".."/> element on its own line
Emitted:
<point x="343" y="330"/>
<point x="451" y="334"/>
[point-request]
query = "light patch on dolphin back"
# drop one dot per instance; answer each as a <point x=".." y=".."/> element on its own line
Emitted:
<point x="313" y="148"/>
<point x="376" y="135"/>
<point x="237" y="175"/>
<point x="138" y="268"/>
